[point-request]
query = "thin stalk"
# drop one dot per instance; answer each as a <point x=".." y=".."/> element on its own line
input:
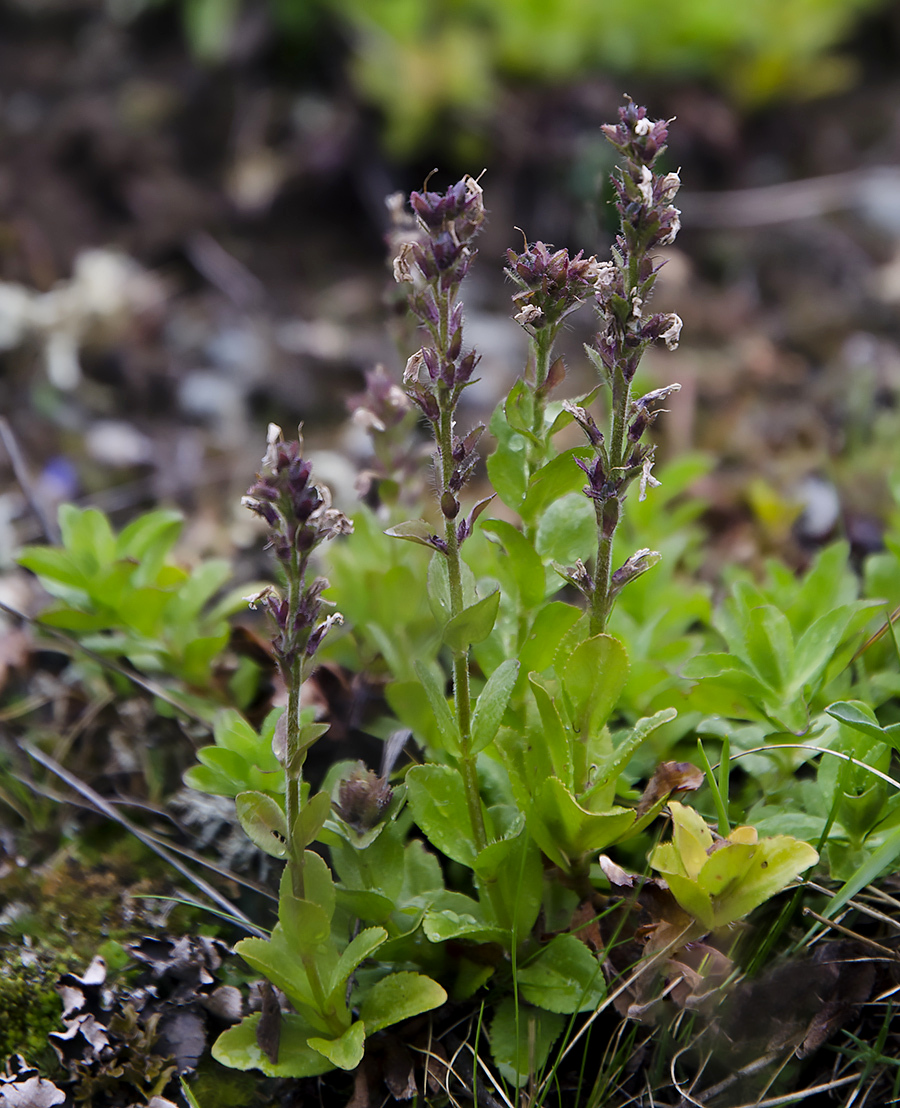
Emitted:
<point x="296" y="574"/>
<point x="461" y="691"/>
<point x="543" y="345"/>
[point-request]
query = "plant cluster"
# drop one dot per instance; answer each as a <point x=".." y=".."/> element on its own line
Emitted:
<point x="505" y="870"/>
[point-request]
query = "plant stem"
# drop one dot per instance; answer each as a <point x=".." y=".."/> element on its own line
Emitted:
<point x="609" y="511"/>
<point x="296" y="574"/>
<point x="461" y="692"/>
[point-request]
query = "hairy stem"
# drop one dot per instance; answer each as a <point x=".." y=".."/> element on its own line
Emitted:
<point x="461" y="692"/>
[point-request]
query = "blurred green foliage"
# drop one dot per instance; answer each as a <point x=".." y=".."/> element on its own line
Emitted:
<point x="422" y="64"/>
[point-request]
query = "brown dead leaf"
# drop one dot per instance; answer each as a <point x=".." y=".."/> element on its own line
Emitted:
<point x="669" y="777"/>
<point x="399" y="1071"/>
<point x="268" y="1030"/>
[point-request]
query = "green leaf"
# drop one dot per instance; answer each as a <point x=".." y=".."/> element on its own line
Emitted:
<point x="448" y="728"/>
<point x="555" y="479"/>
<point x="542" y="641"/>
<point x="817" y="645"/>
<point x="564" y="977"/>
<point x="438" y="587"/>
<point x="473" y="624"/>
<point x="565" y="831"/>
<point x="345" y="1052"/>
<point x="356" y="951"/>
<point x="437" y="799"/>
<point x="859" y="716"/>
<point x="226" y="762"/>
<point x="770" y="645"/>
<point x="318" y="882"/>
<point x="491" y="704"/>
<point x="519" y="410"/>
<point x="306" y="921"/>
<point x="443" y="925"/>
<point x="397" y="998"/>
<point x="365" y="903"/>
<point x="521" y="1038"/>
<point x="593" y="676"/>
<point x="775" y="863"/>
<point x="629" y="746"/>
<point x="87" y="535"/>
<point x="147" y="531"/>
<point x="206" y="779"/>
<point x="556" y="738"/>
<point x="508" y="466"/>
<point x="526" y="565"/>
<point x="54" y="564"/>
<point x="511" y="876"/>
<point x="237" y="1047"/>
<point x="567" y="529"/>
<point x="275" y="959"/>
<point x="310" y="820"/>
<point x="263" y="821"/>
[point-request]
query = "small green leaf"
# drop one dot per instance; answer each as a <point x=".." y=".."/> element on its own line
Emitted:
<point x="542" y="641"/>
<point x="310" y="820"/>
<point x="631" y="744"/>
<point x="594" y="675"/>
<point x="276" y="960"/>
<point x="519" y="410"/>
<point x="556" y="738"/>
<point x="397" y="998"/>
<point x="306" y="921"/>
<point x="567" y="529"/>
<point x="237" y="1047"/>
<point x="521" y="1038"/>
<point x="52" y="564"/>
<point x="564" y="977"/>
<point x="263" y="821"/>
<point x="557" y="478"/>
<point x="511" y="876"/>
<point x="565" y="831"/>
<point x="437" y="800"/>
<point x="356" y="951"/>
<point x="508" y="466"/>
<point x="86" y="533"/>
<point x="444" y="925"/>
<point x="473" y="624"/>
<point x="526" y="565"/>
<point x="345" y="1052"/>
<point x="859" y="716"/>
<point x="444" y="717"/>
<point x="770" y="645"/>
<point x="491" y="704"/>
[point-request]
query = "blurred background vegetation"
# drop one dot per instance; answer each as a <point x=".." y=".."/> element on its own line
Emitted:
<point x="192" y="230"/>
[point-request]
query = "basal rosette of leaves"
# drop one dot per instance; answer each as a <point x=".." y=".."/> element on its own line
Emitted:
<point x="719" y="881"/>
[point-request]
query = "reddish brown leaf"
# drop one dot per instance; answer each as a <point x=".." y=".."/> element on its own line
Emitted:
<point x="670" y="777"/>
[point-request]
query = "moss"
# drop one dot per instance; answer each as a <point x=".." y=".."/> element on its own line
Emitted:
<point x="30" y="1008"/>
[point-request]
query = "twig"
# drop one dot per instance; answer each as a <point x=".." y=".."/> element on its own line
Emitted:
<point x="20" y="469"/>
<point x="110" y="812"/>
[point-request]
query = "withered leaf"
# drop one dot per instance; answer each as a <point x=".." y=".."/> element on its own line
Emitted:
<point x="268" y="1030"/>
<point x="399" y="1075"/>
<point x="669" y="777"/>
